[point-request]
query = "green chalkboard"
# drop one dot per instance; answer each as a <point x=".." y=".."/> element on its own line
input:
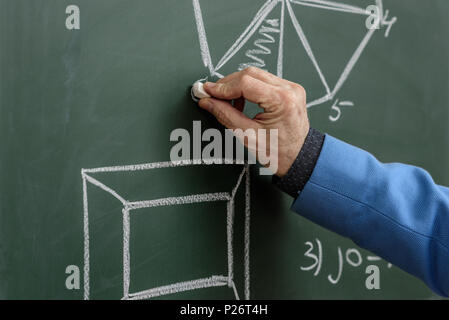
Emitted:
<point x="80" y="107"/>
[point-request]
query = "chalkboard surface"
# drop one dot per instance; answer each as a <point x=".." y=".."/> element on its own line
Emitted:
<point x="110" y="93"/>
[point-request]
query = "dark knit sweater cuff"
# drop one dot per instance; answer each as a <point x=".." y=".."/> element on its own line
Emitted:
<point x="301" y="170"/>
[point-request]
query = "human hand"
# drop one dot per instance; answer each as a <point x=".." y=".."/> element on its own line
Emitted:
<point x="284" y="105"/>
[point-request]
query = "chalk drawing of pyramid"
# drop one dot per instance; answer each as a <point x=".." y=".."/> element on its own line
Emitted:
<point x="269" y="25"/>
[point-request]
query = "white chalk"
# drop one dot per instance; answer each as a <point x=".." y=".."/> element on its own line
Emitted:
<point x="198" y="91"/>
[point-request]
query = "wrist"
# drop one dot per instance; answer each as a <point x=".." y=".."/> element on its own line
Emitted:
<point x="301" y="168"/>
<point x="292" y="151"/>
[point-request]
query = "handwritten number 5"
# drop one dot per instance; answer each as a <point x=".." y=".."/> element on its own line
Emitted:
<point x="337" y="110"/>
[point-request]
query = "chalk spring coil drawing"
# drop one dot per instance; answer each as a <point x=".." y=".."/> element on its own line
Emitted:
<point x="88" y="177"/>
<point x="268" y="29"/>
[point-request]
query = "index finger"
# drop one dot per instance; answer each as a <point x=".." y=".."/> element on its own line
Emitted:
<point x="256" y="73"/>
<point x="250" y="88"/>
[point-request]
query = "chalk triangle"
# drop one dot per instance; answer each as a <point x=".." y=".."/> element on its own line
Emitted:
<point x="334" y="32"/>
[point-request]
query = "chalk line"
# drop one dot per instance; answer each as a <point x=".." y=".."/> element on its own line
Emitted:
<point x="204" y="47"/>
<point x="213" y="281"/>
<point x="86" y="240"/>
<point x="230" y="232"/>
<point x="239" y="180"/>
<point x="247" y="233"/>
<point x="306" y="45"/>
<point x="346" y="104"/>
<point x="321" y="100"/>
<point x="330" y="5"/>
<point x="236" y="294"/>
<point x="97" y="183"/>
<point x="126" y="254"/>
<point x="280" y="62"/>
<point x="171" y="201"/>
<point x="161" y="165"/>
<point x="355" y="57"/>
<point x="229" y="235"/>
<point x="373" y="258"/>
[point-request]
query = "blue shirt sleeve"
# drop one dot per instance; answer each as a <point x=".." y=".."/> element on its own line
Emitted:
<point x="394" y="210"/>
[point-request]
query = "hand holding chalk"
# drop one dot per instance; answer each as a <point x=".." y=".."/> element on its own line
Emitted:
<point x="285" y="110"/>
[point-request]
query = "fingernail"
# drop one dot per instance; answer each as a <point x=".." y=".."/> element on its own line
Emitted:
<point x="205" y="103"/>
<point x="210" y="85"/>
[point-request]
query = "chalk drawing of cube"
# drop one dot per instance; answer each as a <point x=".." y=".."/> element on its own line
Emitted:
<point x="227" y="196"/>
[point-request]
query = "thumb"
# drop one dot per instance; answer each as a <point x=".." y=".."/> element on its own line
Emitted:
<point x="226" y="114"/>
